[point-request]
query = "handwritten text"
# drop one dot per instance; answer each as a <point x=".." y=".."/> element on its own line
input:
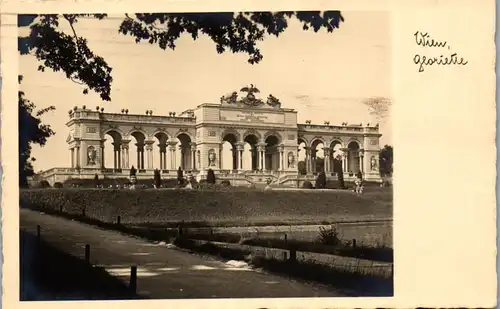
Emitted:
<point x="426" y="41"/>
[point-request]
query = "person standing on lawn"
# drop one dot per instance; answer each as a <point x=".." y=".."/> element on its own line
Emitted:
<point x="359" y="183"/>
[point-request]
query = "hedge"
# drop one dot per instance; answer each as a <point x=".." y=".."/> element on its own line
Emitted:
<point x="210" y="207"/>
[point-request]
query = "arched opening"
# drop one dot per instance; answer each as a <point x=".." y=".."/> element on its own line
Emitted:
<point x="161" y="142"/>
<point x="137" y="157"/>
<point x="336" y="157"/>
<point x="229" y="152"/>
<point x="317" y="156"/>
<point x="271" y="162"/>
<point x="353" y="157"/>
<point x="111" y="154"/>
<point x="302" y="157"/>
<point x="185" y="153"/>
<point x="250" y="160"/>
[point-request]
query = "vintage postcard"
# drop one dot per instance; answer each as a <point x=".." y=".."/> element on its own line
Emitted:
<point x="220" y="154"/>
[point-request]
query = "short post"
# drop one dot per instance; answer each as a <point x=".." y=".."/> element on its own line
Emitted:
<point x="60" y="208"/>
<point x="285" y="255"/>
<point x="133" y="279"/>
<point x="354" y="243"/>
<point x="118" y="220"/>
<point x="87" y="253"/>
<point x="83" y="212"/>
<point x="293" y="255"/>
<point x="286" y="238"/>
<point x="38" y="228"/>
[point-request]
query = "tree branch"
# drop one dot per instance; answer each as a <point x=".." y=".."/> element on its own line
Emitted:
<point x="72" y="28"/>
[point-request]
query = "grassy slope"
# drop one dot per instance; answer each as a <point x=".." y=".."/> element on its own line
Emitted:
<point x="210" y="208"/>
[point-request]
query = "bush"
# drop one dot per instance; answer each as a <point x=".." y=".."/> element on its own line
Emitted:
<point x="210" y="176"/>
<point x="321" y="181"/>
<point x="329" y="236"/>
<point x="58" y="185"/>
<point x="307" y="185"/>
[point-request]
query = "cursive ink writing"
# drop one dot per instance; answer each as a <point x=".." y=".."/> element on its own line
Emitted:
<point x="425" y="40"/>
<point x="442" y="60"/>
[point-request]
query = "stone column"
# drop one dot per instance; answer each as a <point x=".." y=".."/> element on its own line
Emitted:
<point x="326" y="160"/>
<point x="164" y="159"/>
<point x="171" y="147"/>
<point x="345" y="159"/>
<point x="307" y="158"/>
<point x="261" y="148"/>
<point x="361" y="161"/>
<point x="149" y="151"/>
<point x="263" y="158"/>
<point x="257" y="157"/>
<point x="181" y="151"/>
<point x="124" y="155"/>
<point x="281" y="165"/>
<point x="101" y="145"/>
<point x="240" y="148"/>
<point x="72" y="153"/>
<point x="193" y="157"/>
<point x="220" y="155"/>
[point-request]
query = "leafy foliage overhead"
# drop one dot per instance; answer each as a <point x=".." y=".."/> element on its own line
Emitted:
<point x="235" y="32"/>
<point x="31" y="131"/>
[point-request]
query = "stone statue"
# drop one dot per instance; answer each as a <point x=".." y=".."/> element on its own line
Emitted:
<point x="212" y="157"/>
<point x="291" y="160"/>
<point x="230" y="99"/>
<point x="250" y="91"/>
<point x="273" y="101"/>
<point x="373" y="164"/>
<point x="91" y="155"/>
<point x="250" y="99"/>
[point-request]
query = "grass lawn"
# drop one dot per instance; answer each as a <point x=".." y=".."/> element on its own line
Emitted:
<point x="162" y="208"/>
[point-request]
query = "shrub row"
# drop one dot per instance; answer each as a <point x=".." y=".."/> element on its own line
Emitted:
<point x="210" y="206"/>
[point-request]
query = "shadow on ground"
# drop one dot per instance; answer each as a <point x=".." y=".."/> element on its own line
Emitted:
<point x="49" y="274"/>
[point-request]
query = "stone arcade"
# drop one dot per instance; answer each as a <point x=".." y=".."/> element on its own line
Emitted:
<point x="194" y="141"/>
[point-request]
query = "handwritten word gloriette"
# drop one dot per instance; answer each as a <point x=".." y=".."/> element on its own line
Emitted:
<point x="424" y="40"/>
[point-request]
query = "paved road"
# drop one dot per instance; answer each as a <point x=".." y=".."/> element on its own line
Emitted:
<point x="164" y="272"/>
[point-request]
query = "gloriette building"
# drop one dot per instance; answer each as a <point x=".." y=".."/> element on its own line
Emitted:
<point x="264" y="136"/>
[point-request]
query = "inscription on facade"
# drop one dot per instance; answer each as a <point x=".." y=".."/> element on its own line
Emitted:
<point x="244" y="116"/>
<point x="91" y="130"/>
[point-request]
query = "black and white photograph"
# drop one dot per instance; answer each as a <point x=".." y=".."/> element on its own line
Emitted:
<point x="206" y="155"/>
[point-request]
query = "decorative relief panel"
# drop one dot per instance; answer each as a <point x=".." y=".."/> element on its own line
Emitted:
<point x="212" y="133"/>
<point x="91" y="130"/>
<point x="291" y="137"/>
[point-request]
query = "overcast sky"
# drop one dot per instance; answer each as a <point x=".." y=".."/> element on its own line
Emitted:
<point x="324" y="76"/>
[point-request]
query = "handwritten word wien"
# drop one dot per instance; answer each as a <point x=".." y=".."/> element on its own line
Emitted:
<point x="424" y="40"/>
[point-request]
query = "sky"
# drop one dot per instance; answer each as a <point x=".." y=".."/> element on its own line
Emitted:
<point x="323" y="76"/>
